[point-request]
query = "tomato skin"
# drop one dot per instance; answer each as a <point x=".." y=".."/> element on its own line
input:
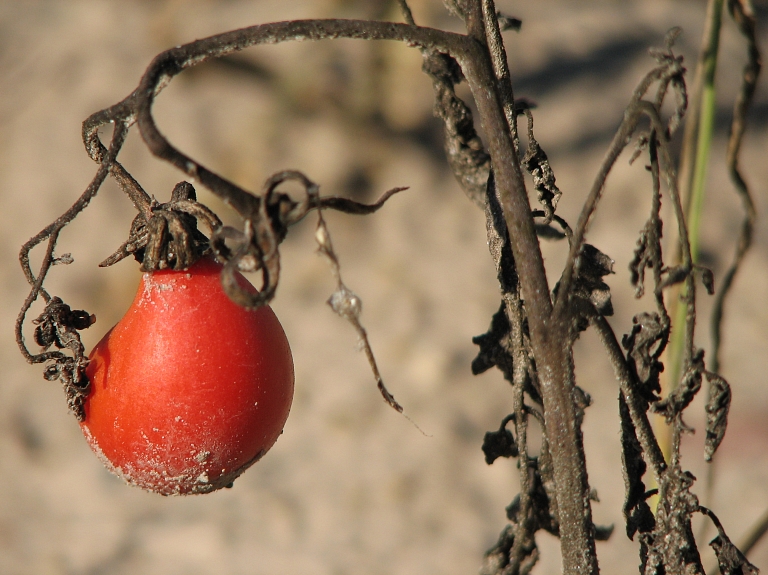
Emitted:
<point x="188" y="389"/>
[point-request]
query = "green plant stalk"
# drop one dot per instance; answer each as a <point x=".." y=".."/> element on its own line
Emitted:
<point x="695" y="201"/>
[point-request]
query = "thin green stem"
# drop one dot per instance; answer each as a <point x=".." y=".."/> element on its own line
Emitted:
<point x="695" y="201"/>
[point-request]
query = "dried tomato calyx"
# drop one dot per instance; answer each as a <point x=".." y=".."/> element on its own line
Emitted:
<point x="169" y="239"/>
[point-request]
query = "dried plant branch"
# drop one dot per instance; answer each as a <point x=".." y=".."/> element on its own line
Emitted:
<point x="744" y="16"/>
<point x="672" y="68"/>
<point x="548" y="337"/>
<point x="500" y="66"/>
<point x="695" y="162"/>
<point x="349" y="306"/>
<point x="406" y="10"/>
<point x="730" y="559"/>
<point x="170" y="63"/>
<point x="51" y="233"/>
<point x="630" y="389"/>
<point x="516" y="550"/>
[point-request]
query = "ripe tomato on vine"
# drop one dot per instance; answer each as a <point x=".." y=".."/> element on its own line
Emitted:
<point x="188" y="389"/>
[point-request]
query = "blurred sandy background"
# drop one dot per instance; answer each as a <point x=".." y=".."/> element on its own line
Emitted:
<point x="351" y="487"/>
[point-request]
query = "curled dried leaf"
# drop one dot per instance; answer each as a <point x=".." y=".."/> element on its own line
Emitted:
<point x="494" y="346"/>
<point x="718" y="404"/>
<point x="537" y="164"/>
<point x="590" y="294"/>
<point x="508" y="22"/>
<point x="708" y="279"/>
<point x="514" y="552"/>
<point x="683" y="394"/>
<point x="729" y="558"/>
<point x="593" y="266"/>
<point x="59" y="326"/>
<point x="637" y="512"/>
<point x="644" y="345"/>
<point x="647" y="253"/>
<point x="500" y="443"/>
<point x="466" y="154"/>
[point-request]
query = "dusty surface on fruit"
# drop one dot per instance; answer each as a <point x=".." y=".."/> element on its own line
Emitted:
<point x="188" y="390"/>
<point x="152" y="473"/>
<point x="351" y="486"/>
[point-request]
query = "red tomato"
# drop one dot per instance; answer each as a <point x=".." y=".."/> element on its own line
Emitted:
<point x="188" y="389"/>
